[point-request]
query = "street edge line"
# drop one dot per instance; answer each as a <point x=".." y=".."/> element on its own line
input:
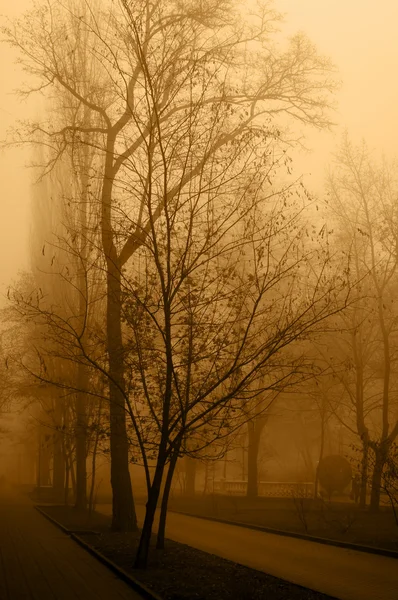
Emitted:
<point x="126" y="577"/>
<point x="301" y="536"/>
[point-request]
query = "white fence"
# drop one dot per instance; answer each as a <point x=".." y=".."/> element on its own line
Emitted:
<point x="270" y="489"/>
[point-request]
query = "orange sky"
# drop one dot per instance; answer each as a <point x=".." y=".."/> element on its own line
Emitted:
<point x="361" y="38"/>
<point x="359" y="35"/>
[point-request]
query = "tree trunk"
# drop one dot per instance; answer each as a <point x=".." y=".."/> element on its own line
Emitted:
<point x="252" y="457"/>
<point x="82" y="383"/>
<point x="93" y="469"/>
<point x="190" y="475"/>
<point x="67" y="471"/>
<point x="364" y="473"/>
<point x="58" y="467"/>
<point x="165" y="501"/>
<point x="376" y="480"/>
<point x="321" y="450"/>
<point x="94" y="461"/>
<point x="123" y="510"/>
<point x="206" y="477"/>
<point x="224" y="473"/>
<point x="66" y="490"/>
<point x="243" y="462"/>
<point x="81" y="447"/>
<point x="44" y="462"/>
<point x="71" y="472"/>
<point x="141" y="558"/>
<point x="255" y="428"/>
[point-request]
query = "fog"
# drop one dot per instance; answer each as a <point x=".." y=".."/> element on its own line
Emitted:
<point x="198" y="299"/>
<point x="359" y="39"/>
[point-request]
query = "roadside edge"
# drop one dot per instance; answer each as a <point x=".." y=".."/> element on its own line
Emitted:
<point x="301" y="536"/>
<point x="138" y="587"/>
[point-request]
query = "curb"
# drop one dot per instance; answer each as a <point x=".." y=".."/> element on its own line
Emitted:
<point x="53" y="521"/>
<point x="301" y="536"/>
<point x="121" y="573"/>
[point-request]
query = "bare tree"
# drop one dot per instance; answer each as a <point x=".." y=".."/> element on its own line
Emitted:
<point x="219" y="291"/>
<point x="363" y="196"/>
<point x="61" y="294"/>
<point x="179" y="84"/>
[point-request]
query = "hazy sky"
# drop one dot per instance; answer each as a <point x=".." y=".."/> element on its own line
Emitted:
<point x="359" y="35"/>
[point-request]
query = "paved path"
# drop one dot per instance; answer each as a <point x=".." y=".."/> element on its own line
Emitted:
<point x="344" y="574"/>
<point x="39" y="562"/>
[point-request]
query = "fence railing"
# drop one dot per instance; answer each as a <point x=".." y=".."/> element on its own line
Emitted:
<point x="270" y="489"/>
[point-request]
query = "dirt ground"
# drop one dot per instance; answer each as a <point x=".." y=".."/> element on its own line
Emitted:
<point x="181" y="572"/>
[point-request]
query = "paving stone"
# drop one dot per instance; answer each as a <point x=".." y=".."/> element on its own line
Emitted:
<point x="39" y="562"/>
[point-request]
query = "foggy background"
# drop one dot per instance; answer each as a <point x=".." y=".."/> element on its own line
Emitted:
<point x="303" y="422"/>
<point x="358" y="35"/>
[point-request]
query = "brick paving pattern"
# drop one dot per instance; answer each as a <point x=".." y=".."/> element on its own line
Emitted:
<point x="40" y="562"/>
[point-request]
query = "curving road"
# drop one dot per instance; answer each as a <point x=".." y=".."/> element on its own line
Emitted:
<point x="344" y="574"/>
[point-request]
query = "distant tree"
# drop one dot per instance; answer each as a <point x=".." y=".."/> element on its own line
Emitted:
<point x="362" y="197"/>
<point x="322" y="392"/>
<point x="389" y="479"/>
<point x="47" y="379"/>
<point x="58" y="298"/>
<point x="254" y="416"/>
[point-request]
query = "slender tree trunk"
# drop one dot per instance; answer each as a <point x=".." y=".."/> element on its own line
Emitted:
<point x="66" y="491"/>
<point x="58" y="467"/>
<point x="359" y="401"/>
<point x="81" y="448"/>
<point x="94" y="461"/>
<point x="255" y="429"/>
<point x="72" y="473"/>
<point x="206" y="477"/>
<point x="376" y="479"/>
<point x="364" y="472"/>
<point x="224" y="474"/>
<point x="82" y="383"/>
<point x="376" y="482"/>
<point x="65" y="450"/>
<point x="190" y="475"/>
<point x="321" y="450"/>
<point x="165" y="500"/>
<point x="93" y="469"/>
<point x="252" y="457"/>
<point x="67" y="473"/>
<point x="141" y="558"/>
<point x="154" y="492"/>
<point x="45" y="478"/>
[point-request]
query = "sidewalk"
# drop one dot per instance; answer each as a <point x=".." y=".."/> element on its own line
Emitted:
<point x="39" y="562"/>
<point x="341" y="573"/>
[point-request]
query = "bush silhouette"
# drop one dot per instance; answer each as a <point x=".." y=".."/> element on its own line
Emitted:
<point x="334" y="473"/>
